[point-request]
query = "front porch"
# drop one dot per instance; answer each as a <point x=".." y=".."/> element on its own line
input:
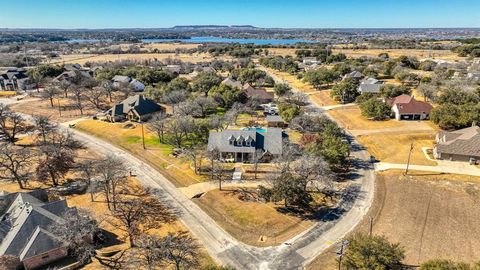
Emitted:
<point x="236" y="157"/>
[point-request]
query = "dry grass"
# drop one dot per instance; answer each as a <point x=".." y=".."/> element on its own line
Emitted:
<point x="170" y="46"/>
<point x="351" y="118"/>
<point x="176" y="170"/>
<point x="248" y="221"/>
<point x="431" y="215"/>
<point x="44" y="108"/>
<point x="84" y="58"/>
<point x="395" y="53"/>
<point x="7" y="93"/>
<point x="394" y="148"/>
<point x="321" y="98"/>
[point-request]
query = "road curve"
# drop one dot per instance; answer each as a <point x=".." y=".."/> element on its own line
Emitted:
<point x="292" y="254"/>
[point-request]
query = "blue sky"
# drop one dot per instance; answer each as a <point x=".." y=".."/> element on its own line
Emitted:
<point x="262" y="13"/>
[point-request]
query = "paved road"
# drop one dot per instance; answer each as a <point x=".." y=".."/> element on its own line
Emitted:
<point x="293" y="254"/>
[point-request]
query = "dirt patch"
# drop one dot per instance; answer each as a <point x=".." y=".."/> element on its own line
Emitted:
<point x="430" y="215"/>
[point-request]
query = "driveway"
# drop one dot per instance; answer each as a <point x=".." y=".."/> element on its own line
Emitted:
<point x="444" y="166"/>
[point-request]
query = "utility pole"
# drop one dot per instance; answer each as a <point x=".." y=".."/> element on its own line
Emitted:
<point x="408" y="160"/>
<point x="371" y="225"/>
<point x="59" y="109"/>
<point x="25" y="54"/>
<point x="143" y="137"/>
<point x="341" y="252"/>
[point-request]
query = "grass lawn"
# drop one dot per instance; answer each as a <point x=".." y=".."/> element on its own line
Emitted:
<point x="351" y="118"/>
<point x="249" y="221"/>
<point x="394" y="148"/>
<point x="431" y="215"/>
<point x="176" y="170"/>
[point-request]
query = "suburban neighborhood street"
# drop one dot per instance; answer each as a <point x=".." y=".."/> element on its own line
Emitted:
<point x="292" y="254"/>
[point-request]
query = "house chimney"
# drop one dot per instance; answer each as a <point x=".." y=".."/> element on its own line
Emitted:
<point x="474" y="123"/>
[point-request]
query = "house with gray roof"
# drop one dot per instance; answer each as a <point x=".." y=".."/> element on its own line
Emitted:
<point x="356" y="75"/>
<point x="243" y="145"/>
<point x="25" y="224"/>
<point x="14" y="79"/>
<point x="134" y="108"/>
<point x="370" y="85"/>
<point x="274" y="121"/>
<point x="127" y="81"/>
<point x="459" y="145"/>
<point x="233" y="83"/>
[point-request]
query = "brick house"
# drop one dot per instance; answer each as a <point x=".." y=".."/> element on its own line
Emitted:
<point x="25" y="223"/>
<point x="405" y="107"/>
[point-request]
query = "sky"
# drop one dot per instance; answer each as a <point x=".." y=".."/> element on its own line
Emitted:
<point x="260" y="13"/>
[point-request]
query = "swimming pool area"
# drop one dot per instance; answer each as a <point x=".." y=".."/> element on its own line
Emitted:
<point x="257" y="129"/>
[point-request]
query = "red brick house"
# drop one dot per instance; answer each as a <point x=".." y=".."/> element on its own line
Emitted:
<point x="25" y="224"/>
<point x="405" y="107"/>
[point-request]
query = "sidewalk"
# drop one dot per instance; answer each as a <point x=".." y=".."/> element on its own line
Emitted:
<point x="443" y="167"/>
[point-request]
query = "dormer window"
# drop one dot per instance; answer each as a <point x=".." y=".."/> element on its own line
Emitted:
<point x="248" y="141"/>
<point x="231" y="140"/>
<point x="240" y="140"/>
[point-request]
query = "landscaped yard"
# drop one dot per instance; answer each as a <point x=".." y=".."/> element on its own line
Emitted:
<point x="176" y="170"/>
<point x="252" y="222"/>
<point x="394" y="148"/>
<point x="431" y="215"/>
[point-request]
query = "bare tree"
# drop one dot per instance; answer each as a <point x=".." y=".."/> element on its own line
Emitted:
<point x="78" y="97"/>
<point x="139" y="215"/>
<point x="50" y="92"/>
<point x="78" y="232"/>
<point x="181" y="250"/>
<point x="108" y="88"/>
<point x="256" y="158"/>
<point x="314" y="170"/>
<point x="150" y="254"/>
<point x="58" y="156"/>
<point x="112" y="173"/>
<point x="157" y="125"/>
<point x="193" y="153"/>
<point x="11" y="123"/>
<point x="94" y="95"/>
<point x="88" y="171"/>
<point x="64" y="85"/>
<point x="204" y="104"/>
<point x="44" y="126"/>
<point x="15" y="163"/>
<point x="54" y="166"/>
<point x="179" y="128"/>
